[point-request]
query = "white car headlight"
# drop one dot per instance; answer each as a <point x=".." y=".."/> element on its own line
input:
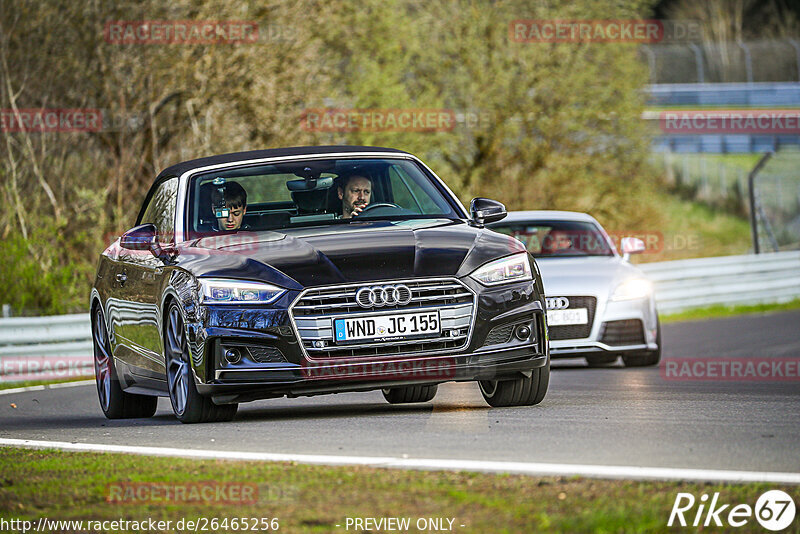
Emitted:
<point x="635" y="288"/>
<point x="514" y="268"/>
<point x="220" y="291"/>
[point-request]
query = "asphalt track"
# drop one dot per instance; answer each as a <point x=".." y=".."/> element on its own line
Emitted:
<point x="609" y="416"/>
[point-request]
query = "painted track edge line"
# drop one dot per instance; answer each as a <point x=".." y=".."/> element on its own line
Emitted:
<point x="432" y="464"/>
<point x="42" y="387"/>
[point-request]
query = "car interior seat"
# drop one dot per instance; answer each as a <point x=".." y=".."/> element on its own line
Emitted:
<point x="311" y="202"/>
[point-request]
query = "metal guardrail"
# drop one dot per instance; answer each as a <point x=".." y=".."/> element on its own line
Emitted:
<point x="728" y="280"/>
<point x="58" y="346"/>
<point x="41" y="347"/>
<point x="756" y="95"/>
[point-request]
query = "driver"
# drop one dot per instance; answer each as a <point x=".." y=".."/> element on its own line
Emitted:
<point x="355" y="192"/>
<point x="558" y="241"/>
<point x="229" y="203"/>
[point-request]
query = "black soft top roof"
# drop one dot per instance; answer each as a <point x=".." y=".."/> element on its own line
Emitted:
<point x="180" y="168"/>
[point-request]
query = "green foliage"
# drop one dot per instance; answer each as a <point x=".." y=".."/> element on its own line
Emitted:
<point x="39" y="278"/>
<point x="540" y="125"/>
<point x="558" y="124"/>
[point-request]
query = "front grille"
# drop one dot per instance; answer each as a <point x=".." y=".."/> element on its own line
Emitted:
<point x="577" y="331"/>
<point x="314" y="311"/>
<point x="627" y="332"/>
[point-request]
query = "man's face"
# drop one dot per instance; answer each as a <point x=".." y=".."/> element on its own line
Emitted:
<point x="355" y="196"/>
<point x="234" y="219"/>
<point x="560" y="240"/>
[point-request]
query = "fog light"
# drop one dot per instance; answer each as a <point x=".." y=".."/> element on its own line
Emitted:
<point x="523" y="332"/>
<point x="233" y="356"/>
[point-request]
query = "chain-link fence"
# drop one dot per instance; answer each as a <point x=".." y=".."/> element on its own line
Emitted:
<point x="776" y="189"/>
<point x="709" y="62"/>
<point x="721" y="181"/>
<point x="717" y="180"/>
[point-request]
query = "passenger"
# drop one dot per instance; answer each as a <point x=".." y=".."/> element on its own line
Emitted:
<point x="355" y="192"/>
<point x="229" y="203"/>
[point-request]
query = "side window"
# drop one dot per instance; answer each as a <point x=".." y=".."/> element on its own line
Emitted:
<point x="161" y="209"/>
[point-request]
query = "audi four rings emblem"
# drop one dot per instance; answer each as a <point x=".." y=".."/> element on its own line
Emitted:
<point x="557" y="303"/>
<point x="378" y="296"/>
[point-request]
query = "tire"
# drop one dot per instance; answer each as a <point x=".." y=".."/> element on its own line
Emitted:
<point x="408" y="394"/>
<point x="115" y="403"/>
<point x="647" y="358"/>
<point x="523" y="391"/>
<point x="187" y="404"/>
<point x="601" y="359"/>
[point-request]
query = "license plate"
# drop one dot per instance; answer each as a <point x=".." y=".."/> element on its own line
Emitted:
<point x="567" y="317"/>
<point x="387" y="327"/>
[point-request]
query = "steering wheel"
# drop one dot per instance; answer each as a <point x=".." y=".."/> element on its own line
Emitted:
<point x="379" y="205"/>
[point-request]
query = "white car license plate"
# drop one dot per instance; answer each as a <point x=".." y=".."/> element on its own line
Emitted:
<point x="567" y="317"/>
<point x="387" y="327"/>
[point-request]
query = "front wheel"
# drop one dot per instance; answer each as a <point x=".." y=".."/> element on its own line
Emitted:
<point x="115" y="403"/>
<point x="189" y="406"/>
<point x="523" y="391"/>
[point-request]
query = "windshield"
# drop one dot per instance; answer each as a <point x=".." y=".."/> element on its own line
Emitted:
<point x="314" y="192"/>
<point x="558" y="238"/>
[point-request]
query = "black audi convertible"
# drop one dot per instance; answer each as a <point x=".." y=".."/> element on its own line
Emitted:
<point x="312" y="270"/>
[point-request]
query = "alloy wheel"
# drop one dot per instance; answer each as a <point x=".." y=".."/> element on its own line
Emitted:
<point x="178" y="372"/>
<point x="102" y="360"/>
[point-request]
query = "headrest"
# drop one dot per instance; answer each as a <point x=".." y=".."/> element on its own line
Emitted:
<point x="205" y="212"/>
<point x="311" y="201"/>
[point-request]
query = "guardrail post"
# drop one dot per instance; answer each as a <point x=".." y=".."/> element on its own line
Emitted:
<point x="6" y="310"/>
<point x="751" y="185"/>
<point x="698" y="59"/>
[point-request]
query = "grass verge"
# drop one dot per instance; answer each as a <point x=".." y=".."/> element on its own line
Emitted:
<point x="694" y="230"/>
<point x="305" y="498"/>
<point x="27" y="383"/>
<point x="714" y="312"/>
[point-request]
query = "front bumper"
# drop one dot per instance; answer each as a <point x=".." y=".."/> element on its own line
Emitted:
<point x="294" y="380"/>
<point x="608" y="316"/>
<point x="274" y="363"/>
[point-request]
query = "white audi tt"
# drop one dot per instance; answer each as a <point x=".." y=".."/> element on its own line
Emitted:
<point x="599" y="305"/>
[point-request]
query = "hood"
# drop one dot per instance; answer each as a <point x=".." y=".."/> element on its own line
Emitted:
<point x="343" y="253"/>
<point x="597" y="275"/>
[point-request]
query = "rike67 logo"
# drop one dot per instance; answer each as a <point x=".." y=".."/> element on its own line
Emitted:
<point x="774" y="510"/>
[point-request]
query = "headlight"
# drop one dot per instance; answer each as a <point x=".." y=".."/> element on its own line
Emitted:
<point x="218" y="291"/>
<point x="635" y="288"/>
<point x="514" y="268"/>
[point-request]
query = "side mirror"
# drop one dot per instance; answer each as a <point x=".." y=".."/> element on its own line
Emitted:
<point x="485" y="210"/>
<point x="631" y="245"/>
<point x="141" y="237"/>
